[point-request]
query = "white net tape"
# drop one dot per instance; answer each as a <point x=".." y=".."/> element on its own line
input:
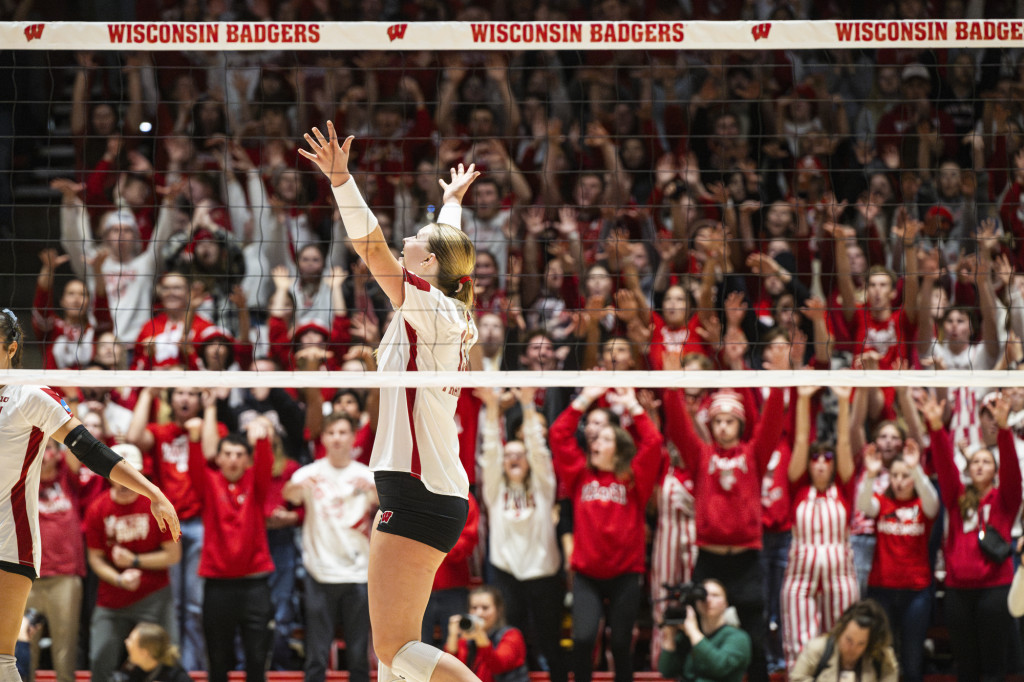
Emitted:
<point x="636" y="379"/>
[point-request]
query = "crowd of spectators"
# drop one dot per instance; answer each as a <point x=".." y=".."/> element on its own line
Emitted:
<point x="638" y="210"/>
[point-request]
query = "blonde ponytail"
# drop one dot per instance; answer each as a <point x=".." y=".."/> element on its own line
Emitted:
<point x="456" y="260"/>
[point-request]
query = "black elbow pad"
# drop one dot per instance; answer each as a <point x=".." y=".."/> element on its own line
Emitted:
<point x="92" y="453"/>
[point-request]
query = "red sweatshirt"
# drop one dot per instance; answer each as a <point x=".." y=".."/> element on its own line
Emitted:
<point x="608" y="512"/>
<point x="727" y="486"/>
<point x="966" y="566"/>
<point x="235" y="544"/>
<point x="506" y="656"/>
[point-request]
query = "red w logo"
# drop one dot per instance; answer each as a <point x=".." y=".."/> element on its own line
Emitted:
<point x="34" y="32"/>
<point x="761" y="31"/>
<point x="397" y="31"/>
<point x="385" y="516"/>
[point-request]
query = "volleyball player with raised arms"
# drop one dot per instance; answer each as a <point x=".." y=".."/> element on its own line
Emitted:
<point x="29" y="416"/>
<point x="422" y="486"/>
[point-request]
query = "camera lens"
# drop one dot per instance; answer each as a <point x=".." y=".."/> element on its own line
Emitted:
<point x="465" y="623"/>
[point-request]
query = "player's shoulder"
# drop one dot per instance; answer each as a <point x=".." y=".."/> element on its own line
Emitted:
<point x="35" y="392"/>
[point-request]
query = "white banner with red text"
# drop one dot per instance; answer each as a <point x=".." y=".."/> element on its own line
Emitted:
<point x="504" y="35"/>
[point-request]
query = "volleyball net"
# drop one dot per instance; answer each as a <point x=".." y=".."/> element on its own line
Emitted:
<point x="796" y="202"/>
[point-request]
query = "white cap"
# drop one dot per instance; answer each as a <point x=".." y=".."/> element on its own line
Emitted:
<point x="915" y="71"/>
<point x="121" y="216"/>
<point x="131" y="454"/>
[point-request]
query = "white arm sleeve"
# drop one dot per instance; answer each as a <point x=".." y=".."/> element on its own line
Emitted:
<point x="451" y="214"/>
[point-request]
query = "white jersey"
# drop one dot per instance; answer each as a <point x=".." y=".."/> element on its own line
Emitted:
<point x="29" y="415"/>
<point x="417" y="432"/>
<point x="336" y="531"/>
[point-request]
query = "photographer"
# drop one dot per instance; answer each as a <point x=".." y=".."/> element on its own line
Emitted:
<point x="494" y="651"/>
<point x="705" y="646"/>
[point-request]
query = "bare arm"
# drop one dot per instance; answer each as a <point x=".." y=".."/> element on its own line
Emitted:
<point x="911" y="286"/>
<point x="131" y="478"/>
<point x="210" y="435"/>
<point x="843" y="277"/>
<point x="74" y="226"/>
<point x="858" y="417"/>
<point x="801" y="441"/>
<point x="844" y="453"/>
<point x="138" y="435"/>
<point x="987" y="301"/>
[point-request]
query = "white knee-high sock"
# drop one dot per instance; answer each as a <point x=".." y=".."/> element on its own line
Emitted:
<point x="8" y="669"/>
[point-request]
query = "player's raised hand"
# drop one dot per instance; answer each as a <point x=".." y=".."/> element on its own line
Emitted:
<point x="462" y="178"/>
<point x="329" y="156"/>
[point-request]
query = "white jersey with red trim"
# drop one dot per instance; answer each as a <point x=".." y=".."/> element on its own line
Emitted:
<point x="29" y="415"/>
<point x="416" y="431"/>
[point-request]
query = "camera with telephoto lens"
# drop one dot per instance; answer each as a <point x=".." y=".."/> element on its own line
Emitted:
<point x="679" y="597"/>
<point x="34" y="617"/>
<point x="468" y="621"/>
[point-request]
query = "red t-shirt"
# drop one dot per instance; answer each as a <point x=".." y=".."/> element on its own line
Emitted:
<point x="901" y="555"/>
<point x="890" y="338"/>
<point x="133" y="527"/>
<point x="159" y="343"/>
<point x="681" y="341"/>
<point x="60" y="523"/>
<point x="235" y="541"/>
<point x="169" y="466"/>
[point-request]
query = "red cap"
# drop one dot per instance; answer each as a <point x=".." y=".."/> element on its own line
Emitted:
<point x="215" y="333"/>
<point x="940" y="212"/>
<point x="312" y="326"/>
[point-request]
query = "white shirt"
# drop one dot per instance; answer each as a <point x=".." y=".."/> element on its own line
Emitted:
<point x="964" y="401"/>
<point x="489" y="235"/>
<point x="336" y="531"/>
<point x="521" y="528"/>
<point x="417" y="432"/>
<point x="28" y="417"/>
<point x="130" y="292"/>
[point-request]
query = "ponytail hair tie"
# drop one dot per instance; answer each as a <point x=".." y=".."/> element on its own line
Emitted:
<point x="464" y="279"/>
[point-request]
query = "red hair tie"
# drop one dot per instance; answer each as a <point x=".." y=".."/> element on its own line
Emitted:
<point x="463" y="280"/>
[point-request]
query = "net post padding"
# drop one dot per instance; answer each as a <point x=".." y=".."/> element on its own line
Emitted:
<point x="664" y="379"/>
